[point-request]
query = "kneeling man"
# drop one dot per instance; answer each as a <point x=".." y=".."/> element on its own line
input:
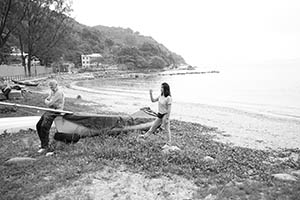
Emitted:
<point x="55" y="100"/>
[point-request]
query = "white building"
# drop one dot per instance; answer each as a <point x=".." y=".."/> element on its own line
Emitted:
<point x="17" y="53"/>
<point x="90" y="60"/>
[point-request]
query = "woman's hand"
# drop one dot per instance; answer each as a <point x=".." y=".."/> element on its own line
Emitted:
<point x="151" y="96"/>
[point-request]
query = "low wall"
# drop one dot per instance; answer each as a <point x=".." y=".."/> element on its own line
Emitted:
<point x="17" y="70"/>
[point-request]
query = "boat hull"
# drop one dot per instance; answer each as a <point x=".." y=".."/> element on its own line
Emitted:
<point x="86" y="125"/>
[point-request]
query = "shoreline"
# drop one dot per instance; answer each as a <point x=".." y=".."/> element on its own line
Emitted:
<point x="204" y="168"/>
<point x="236" y="127"/>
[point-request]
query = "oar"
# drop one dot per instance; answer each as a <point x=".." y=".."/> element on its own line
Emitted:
<point x="35" y="107"/>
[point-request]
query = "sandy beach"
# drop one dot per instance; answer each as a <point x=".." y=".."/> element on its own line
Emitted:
<point x="118" y="167"/>
<point x="236" y="127"/>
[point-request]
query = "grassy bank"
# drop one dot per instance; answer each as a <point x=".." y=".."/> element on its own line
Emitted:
<point x="37" y="99"/>
<point x="231" y="172"/>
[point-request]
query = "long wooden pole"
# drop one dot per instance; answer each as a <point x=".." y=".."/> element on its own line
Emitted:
<point x="35" y="107"/>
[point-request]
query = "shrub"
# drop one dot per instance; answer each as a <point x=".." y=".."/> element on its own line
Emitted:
<point x="157" y="62"/>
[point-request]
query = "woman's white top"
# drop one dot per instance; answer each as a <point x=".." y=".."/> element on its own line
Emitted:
<point x="164" y="103"/>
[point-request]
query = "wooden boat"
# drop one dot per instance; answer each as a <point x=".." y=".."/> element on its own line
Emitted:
<point x="72" y="126"/>
<point x="88" y="125"/>
<point x="27" y="83"/>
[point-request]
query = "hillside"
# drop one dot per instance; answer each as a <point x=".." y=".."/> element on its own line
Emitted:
<point x="118" y="46"/>
<point x="49" y="34"/>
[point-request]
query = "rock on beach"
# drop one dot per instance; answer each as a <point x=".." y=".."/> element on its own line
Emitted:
<point x="284" y="177"/>
<point x="20" y="160"/>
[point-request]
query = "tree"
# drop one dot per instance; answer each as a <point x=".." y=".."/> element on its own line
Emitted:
<point x="128" y="55"/>
<point x="149" y="48"/>
<point x="157" y="62"/>
<point x="43" y="27"/>
<point x="4" y="53"/>
<point x="109" y="42"/>
<point x="12" y="12"/>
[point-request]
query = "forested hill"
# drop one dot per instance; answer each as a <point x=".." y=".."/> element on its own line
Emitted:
<point x="118" y="46"/>
<point x="43" y="29"/>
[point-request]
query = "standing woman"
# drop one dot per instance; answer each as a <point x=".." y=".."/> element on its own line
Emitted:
<point x="164" y="110"/>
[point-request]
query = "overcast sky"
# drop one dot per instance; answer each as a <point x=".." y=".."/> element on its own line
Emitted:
<point x="206" y="31"/>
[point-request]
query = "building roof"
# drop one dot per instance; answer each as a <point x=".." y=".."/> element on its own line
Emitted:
<point x="93" y="55"/>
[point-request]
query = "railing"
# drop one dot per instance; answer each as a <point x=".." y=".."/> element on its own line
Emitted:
<point x="23" y="77"/>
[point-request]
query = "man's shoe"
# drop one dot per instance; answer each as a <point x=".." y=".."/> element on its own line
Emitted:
<point x="42" y="150"/>
<point x="144" y="136"/>
<point x="50" y="153"/>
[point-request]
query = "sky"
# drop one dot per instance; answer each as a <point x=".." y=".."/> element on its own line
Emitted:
<point x="212" y="32"/>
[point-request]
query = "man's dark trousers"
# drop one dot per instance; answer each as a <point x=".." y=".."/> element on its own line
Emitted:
<point x="43" y="127"/>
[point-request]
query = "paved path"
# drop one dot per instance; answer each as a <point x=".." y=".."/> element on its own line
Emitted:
<point x="14" y="124"/>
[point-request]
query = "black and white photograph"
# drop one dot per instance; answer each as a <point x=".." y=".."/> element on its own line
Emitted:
<point x="149" y="100"/>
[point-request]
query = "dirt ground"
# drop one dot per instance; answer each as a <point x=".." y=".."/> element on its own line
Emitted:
<point x="120" y="183"/>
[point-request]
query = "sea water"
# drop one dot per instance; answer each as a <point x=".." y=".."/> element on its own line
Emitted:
<point x="270" y="89"/>
<point x="256" y="106"/>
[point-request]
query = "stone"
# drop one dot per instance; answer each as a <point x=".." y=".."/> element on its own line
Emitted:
<point x="294" y="157"/>
<point x="210" y="197"/>
<point x="167" y="149"/>
<point x="296" y="173"/>
<point x="208" y="159"/>
<point x="284" y="177"/>
<point x="277" y="159"/>
<point x="20" y="160"/>
<point x="240" y="185"/>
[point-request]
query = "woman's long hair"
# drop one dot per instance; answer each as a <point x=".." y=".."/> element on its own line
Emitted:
<point x="166" y="89"/>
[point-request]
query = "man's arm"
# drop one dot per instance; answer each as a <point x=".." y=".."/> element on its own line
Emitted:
<point x="57" y="98"/>
<point x="48" y="97"/>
